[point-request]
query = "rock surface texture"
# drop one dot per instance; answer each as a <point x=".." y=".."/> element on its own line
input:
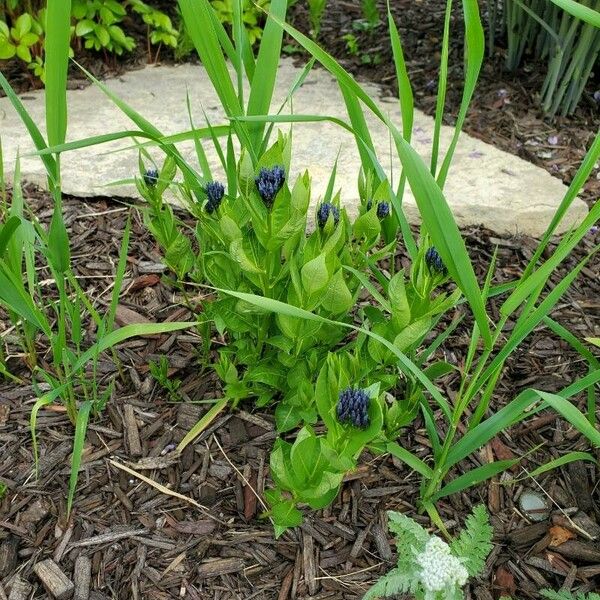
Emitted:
<point x="485" y="186"/>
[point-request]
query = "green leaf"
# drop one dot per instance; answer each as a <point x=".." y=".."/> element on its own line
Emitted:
<point x="58" y="242"/>
<point x="582" y="12"/>
<point x="23" y="53"/>
<point x="261" y="93"/>
<point x="83" y="415"/>
<point x="6" y="232"/>
<point x="7" y="50"/>
<point x="414" y="462"/>
<point x="411" y="334"/>
<point x="399" y="301"/>
<point x="572" y="414"/>
<point x="475" y="541"/>
<point x="239" y="254"/>
<point x="315" y="275"/>
<point x="474" y="476"/>
<point x="23" y="25"/>
<point x="285" y="515"/>
<point x="287" y="416"/>
<point x="58" y="35"/>
<point x="337" y="299"/>
<point x="202" y="424"/>
<point x="306" y="457"/>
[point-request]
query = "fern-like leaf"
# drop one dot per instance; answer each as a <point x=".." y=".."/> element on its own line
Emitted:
<point x="475" y="541"/>
<point x="393" y="582"/>
<point x="411" y="538"/>
<point x="564" y="595"/>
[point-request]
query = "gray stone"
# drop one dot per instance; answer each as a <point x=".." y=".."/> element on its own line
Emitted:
<point x="485" y="186"/>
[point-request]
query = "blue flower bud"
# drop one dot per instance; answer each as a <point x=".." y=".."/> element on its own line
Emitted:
<point x="434" y="262"/>
<point x="324" y="211"/>
<point x="383" y="210"/>
<point x="353" y="407"/>
<point x="215" y="192"/>
<point x="269" y="182"/>
<point x="151" y="177"/>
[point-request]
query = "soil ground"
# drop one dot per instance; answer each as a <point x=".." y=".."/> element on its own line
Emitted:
<point x="144" y="543"/>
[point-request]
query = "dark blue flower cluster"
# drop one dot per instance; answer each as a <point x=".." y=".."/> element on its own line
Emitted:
<point x="151" y="177"/>
<point x="215" y="192"/>
<point x="434" y="261"/>
<point x="353" y="407"/>
<point x="324" y="211"/>
<point x="383" y="209"/>
<point x="269" y="182"/>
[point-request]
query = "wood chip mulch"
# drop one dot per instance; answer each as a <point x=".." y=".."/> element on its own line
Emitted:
<point x="147" y="524"/>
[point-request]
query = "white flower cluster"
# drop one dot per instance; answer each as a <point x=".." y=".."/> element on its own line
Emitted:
<point x="440" y="569"/>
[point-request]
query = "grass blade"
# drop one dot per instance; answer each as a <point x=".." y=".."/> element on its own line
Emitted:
<point x="265" y="73"/>
<point x="441" y="91"/>
<point x="414" y="462"/>
<point x="202" y="424"/>
<point x="83" y="416"/>
<point x="475" y="476"/>
<point x="58" y="37"/>
<point x="475" y="51"/>
<point x="584" y="13"/>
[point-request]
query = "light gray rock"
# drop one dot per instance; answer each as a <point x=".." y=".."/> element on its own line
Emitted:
<point x="485" y="186"/>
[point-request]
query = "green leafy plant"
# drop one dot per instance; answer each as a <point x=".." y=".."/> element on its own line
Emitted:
<point x="252" y="14"/>
<point x="98" y="23"/>
<point x="565" y="595"/>
<point x="72" y="374"/>
<point x="370" y="12"/>
<point x="343" y="373"/>
<point x="160" y="372"/>
<point x="428" y="567"/>
<point x="19" y="39"/>
<point x="160" y="28"/>
<point x="352" y="45"/>
<point x="95" y="24"/>
<point x="316" y="11"/>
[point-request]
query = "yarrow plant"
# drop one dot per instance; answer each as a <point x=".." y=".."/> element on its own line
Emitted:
<point x="428" y="567"/>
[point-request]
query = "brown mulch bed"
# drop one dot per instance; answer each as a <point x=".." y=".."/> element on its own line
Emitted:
<point x="137" y="541"/>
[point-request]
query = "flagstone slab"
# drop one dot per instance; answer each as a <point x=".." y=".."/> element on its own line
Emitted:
<point x="485" y="186"/>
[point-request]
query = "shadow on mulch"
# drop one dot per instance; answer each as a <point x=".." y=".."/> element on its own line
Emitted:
<point x="138" y="542"/>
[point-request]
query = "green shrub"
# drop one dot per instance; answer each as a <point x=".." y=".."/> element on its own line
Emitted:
<point x="95" y="24"/>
